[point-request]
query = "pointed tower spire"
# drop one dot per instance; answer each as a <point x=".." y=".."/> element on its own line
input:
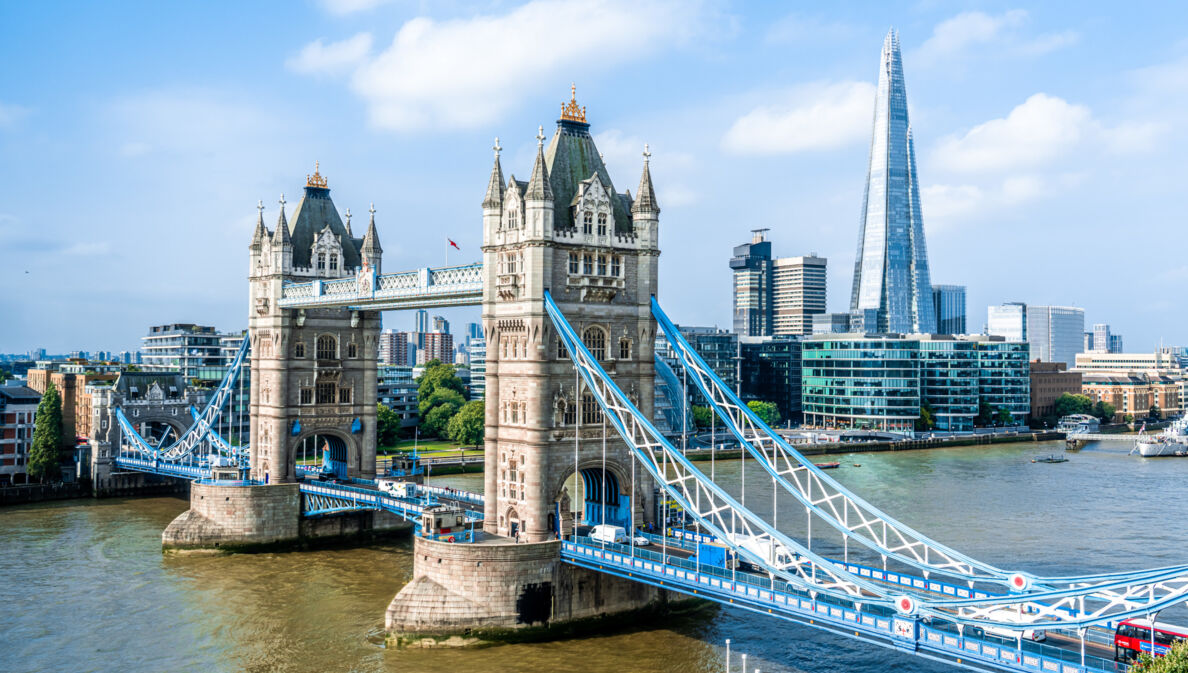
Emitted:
<point x="494" y="197"/>
<point x="539" y="188"/>
<point x="261" y="232"/>
<point x="347" y="215"/>
<point x="645" y="199"/>
<point x="370" y="251"/>
<point x="281" y="236"/>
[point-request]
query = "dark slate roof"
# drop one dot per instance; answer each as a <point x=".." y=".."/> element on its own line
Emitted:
<point x="571" y="158"/>
<point x="314" y="213"/>
<point x="19" y="394"/>
<point x="143" y="380"/>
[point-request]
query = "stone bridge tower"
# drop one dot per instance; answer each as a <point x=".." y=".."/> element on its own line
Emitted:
<point x="313" y="370"/>
<point x="566" y="230"/>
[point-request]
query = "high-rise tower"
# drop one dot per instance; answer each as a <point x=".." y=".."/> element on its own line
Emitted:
<point x="891" y="268"/>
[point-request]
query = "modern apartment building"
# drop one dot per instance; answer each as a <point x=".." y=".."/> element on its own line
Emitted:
<point x="18" y="405"/>
<point x="798" y="294"/>
<point x="752" y="265"/>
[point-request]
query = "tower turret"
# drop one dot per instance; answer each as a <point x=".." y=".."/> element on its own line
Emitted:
<point x="538" y="197"/>
<point x="645" y="212"/>
<point x="282" y="244"/>
<point x="371" y="251"/>
<point x="493" y="200"/>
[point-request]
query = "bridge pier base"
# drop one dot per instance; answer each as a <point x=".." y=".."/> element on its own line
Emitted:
<point x="495" y="591"/>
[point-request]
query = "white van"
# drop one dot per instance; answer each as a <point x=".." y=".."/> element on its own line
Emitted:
<point x="1008" y="615"/>
<point x="394" y="487"/>
<point x="766" y="549"/>
<point x="609" y="534"/>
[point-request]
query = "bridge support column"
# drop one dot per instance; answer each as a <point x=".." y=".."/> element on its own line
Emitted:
<point x="231" y="518"/>
<point x="497" y="591"/>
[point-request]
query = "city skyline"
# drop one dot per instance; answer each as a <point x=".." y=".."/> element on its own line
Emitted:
<point x="1020" y="123"/>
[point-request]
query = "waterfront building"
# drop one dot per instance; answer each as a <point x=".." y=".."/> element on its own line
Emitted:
<point x="1162" y="361"/>
<point x="949" y="302"/>
<point x="72" y="380"/>
<point x="18" y="405"/>
<point x="831" y="323"/>
<point x="798" y="294"/>
<point x="1050" y="380"/>
<point x="478" y="368"/>
<point x="396" y="389"/>
<point x="769" y="371"/>
<point x="891" y="273"/>
<point x="1008" y="321"/>
<point x="1135" y="393"/>
<point x="182" y="347"/>
<point x="1054" y="332"/>
<point x="718" y="347"/>
<point x="752" y="266"/>
<point x="880" y="381"/>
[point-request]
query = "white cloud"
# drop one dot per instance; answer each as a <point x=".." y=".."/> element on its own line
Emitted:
<point x="812" y="117"/>
<point x="1040" y="129"/>
<point x="467" y="72"/>
<point x="318" y="57"/>
<point x="351" y="6"/>
<point x="671" y="169"/>
<point x="10" y="114"/>
<point x="943" y="203"/>
<point x="967" y="30"/>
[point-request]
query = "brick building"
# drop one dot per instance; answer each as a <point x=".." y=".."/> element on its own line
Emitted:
<point x="1050" y="380"/>
<point x="18" y="404"/>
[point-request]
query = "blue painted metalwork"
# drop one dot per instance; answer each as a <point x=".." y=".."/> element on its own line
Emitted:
<point x="421" y="288"/>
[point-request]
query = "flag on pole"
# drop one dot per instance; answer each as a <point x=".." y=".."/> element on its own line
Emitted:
<point x="451" y="241"/>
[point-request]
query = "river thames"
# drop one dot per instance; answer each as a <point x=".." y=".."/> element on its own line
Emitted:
<point x="88" y="588"/>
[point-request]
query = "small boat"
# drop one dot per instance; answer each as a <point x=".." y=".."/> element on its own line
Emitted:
<point x="857" y="464"/>
<point x="828" y="466"/>
<point x="1050" y="458"/>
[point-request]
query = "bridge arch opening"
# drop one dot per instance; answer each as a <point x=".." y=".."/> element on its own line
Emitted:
<point x="592" y="496"/>
<point x="325" y="452"/>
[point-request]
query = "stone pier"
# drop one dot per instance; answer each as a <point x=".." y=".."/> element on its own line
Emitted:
<point x="227" y="518"/>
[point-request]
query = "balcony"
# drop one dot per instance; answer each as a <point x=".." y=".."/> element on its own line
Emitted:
<point x="596" y="289"/>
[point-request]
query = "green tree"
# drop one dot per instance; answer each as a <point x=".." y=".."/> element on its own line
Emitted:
<point x="1104" y="411"/>
<point x="466" y="427"/>
<point x="438" y="375"/>
<point x="387" y="426"/>
<point x="1154" y="412"/>
<point x="1175" y="661"/>
<point x="44" y="460"/>
<point x="1068" y="404"/>
<point x="985" y="414"/>
<point x="767" y="412"/>
<point x="927" y="419"/>
<point x="439" y="397"/>
<point x="1128" y="418"/>
<point x="702" y="416"/>
<point x="1004" y="416"/>
<point x="434" y="424"/>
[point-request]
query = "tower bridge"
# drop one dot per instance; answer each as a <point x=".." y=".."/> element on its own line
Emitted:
<point x="567" y="288"/>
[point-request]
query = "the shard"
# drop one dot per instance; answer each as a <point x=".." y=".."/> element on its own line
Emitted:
<point x="891" y="279"/>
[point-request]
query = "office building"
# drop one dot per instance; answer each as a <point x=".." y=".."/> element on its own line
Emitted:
<point x="949" y="381"/>
<point x="798" y="294"/>
<point x="1008" y="321"/>
<point x="1162" y="361"/>
<point x="1050" y="380"/>
<point x="1004" y="376"/>
<point x="1055" y="333"/>
<point x="752" y="266"/>
<point x="718" y="347"/>
<point x="891" y="273"/>
<point x="949" y="303"/>
<point x="422" y="321"/>
<point x="1135" y="394"/>
<point x="1102" y="340"/>
<point x="769" y="371"/>
<point x="440" y="324"/>
<point x="181" y="347"/>
<point x="396" y="389"/>
<point x="831" y="323"/>
<point x="478" y="368"/>
<point x="18" y="404"/>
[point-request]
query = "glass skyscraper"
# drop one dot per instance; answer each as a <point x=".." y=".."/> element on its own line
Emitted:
<point x="891" y="268"/>
<point x="949" y="301"/>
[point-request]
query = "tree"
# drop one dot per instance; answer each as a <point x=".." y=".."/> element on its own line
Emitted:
<point x="439" y="397"/>
<point x="767" y="412"/>
<point x="1175" y="661"/>
<point x="1004" y="416"/>
<point x="702" y="417"/>
<point x="387" y="426"/>
<point x="435" y="423"/>
<point x="44" y="460"/>
<point x="1128" y="418"/>
<point x="985" y="414"/>
<point x="1068" y="404"/>
<point x="927" y="419"/>
<point x="1154" y="412"/>
<point x="436" y="376"/>
<point x="466" y="427"/>
<point x="1104" y="411"/>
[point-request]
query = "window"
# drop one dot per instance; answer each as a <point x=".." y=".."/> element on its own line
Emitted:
<point x="307" y="395"/>
<point x="334" y="262"/>
<point x="321" y="261"/>
<point x="327" y="347"/>
<point x="616" y="266"/>
<point x="602" y="224"/>
<point x="570" y="415"/>
<point x="562" y="351"/>
<point x="299" y="350"/>
<point x="624" y="349"/>
<point x="352" y="350"/>
<point x="588" y="264"/>
<point x="513" y="218"/>
<point x="591" y="412"/>
<point x="587" y="223"/>
<point x="602" y="265"/>
<point x="595" y="340"/>
<point x="573" y="263"/>
<point x="326" y="393"/>
<point x="344" y="395"/>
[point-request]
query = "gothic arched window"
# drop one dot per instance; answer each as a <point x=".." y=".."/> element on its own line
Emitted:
<point x="624" y="349"/>
<point x="333" y="262"/>
<point x="591" y="412"/>
<point x="327" y="347"/>
<point x="587" y="223"/>
<point x="595" y="340"/>
<point x="321" y="261"/>
<point x="602" y="224"/>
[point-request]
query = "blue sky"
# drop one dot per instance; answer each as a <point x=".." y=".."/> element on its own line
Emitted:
<point x="137" y="137"/>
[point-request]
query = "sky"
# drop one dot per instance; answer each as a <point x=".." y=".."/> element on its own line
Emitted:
<point x="137" y="138"/>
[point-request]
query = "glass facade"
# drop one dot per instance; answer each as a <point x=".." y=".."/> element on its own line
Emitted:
<point x="949" y="376"/>
<point x="770" y="372"/>
<point x="1004" y="377"/>
<point x="949" y="302"/>
<point x="861" y="382"/>
<point x="752" y="268"/>
<point x="1008" y="321"/>
<point x="1056" y="333"/>
<point x="891" y="268"/>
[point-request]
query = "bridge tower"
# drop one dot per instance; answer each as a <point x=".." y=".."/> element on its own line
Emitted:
<point x="566" y="230"/>
<point x="313" y="370"/>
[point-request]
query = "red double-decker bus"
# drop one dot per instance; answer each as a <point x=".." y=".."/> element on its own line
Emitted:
<point x="1134" y="636"/>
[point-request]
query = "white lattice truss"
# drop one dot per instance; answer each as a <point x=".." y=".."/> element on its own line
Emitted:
<point x="445" y="286"/>
<point x="1095" y="601"/>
